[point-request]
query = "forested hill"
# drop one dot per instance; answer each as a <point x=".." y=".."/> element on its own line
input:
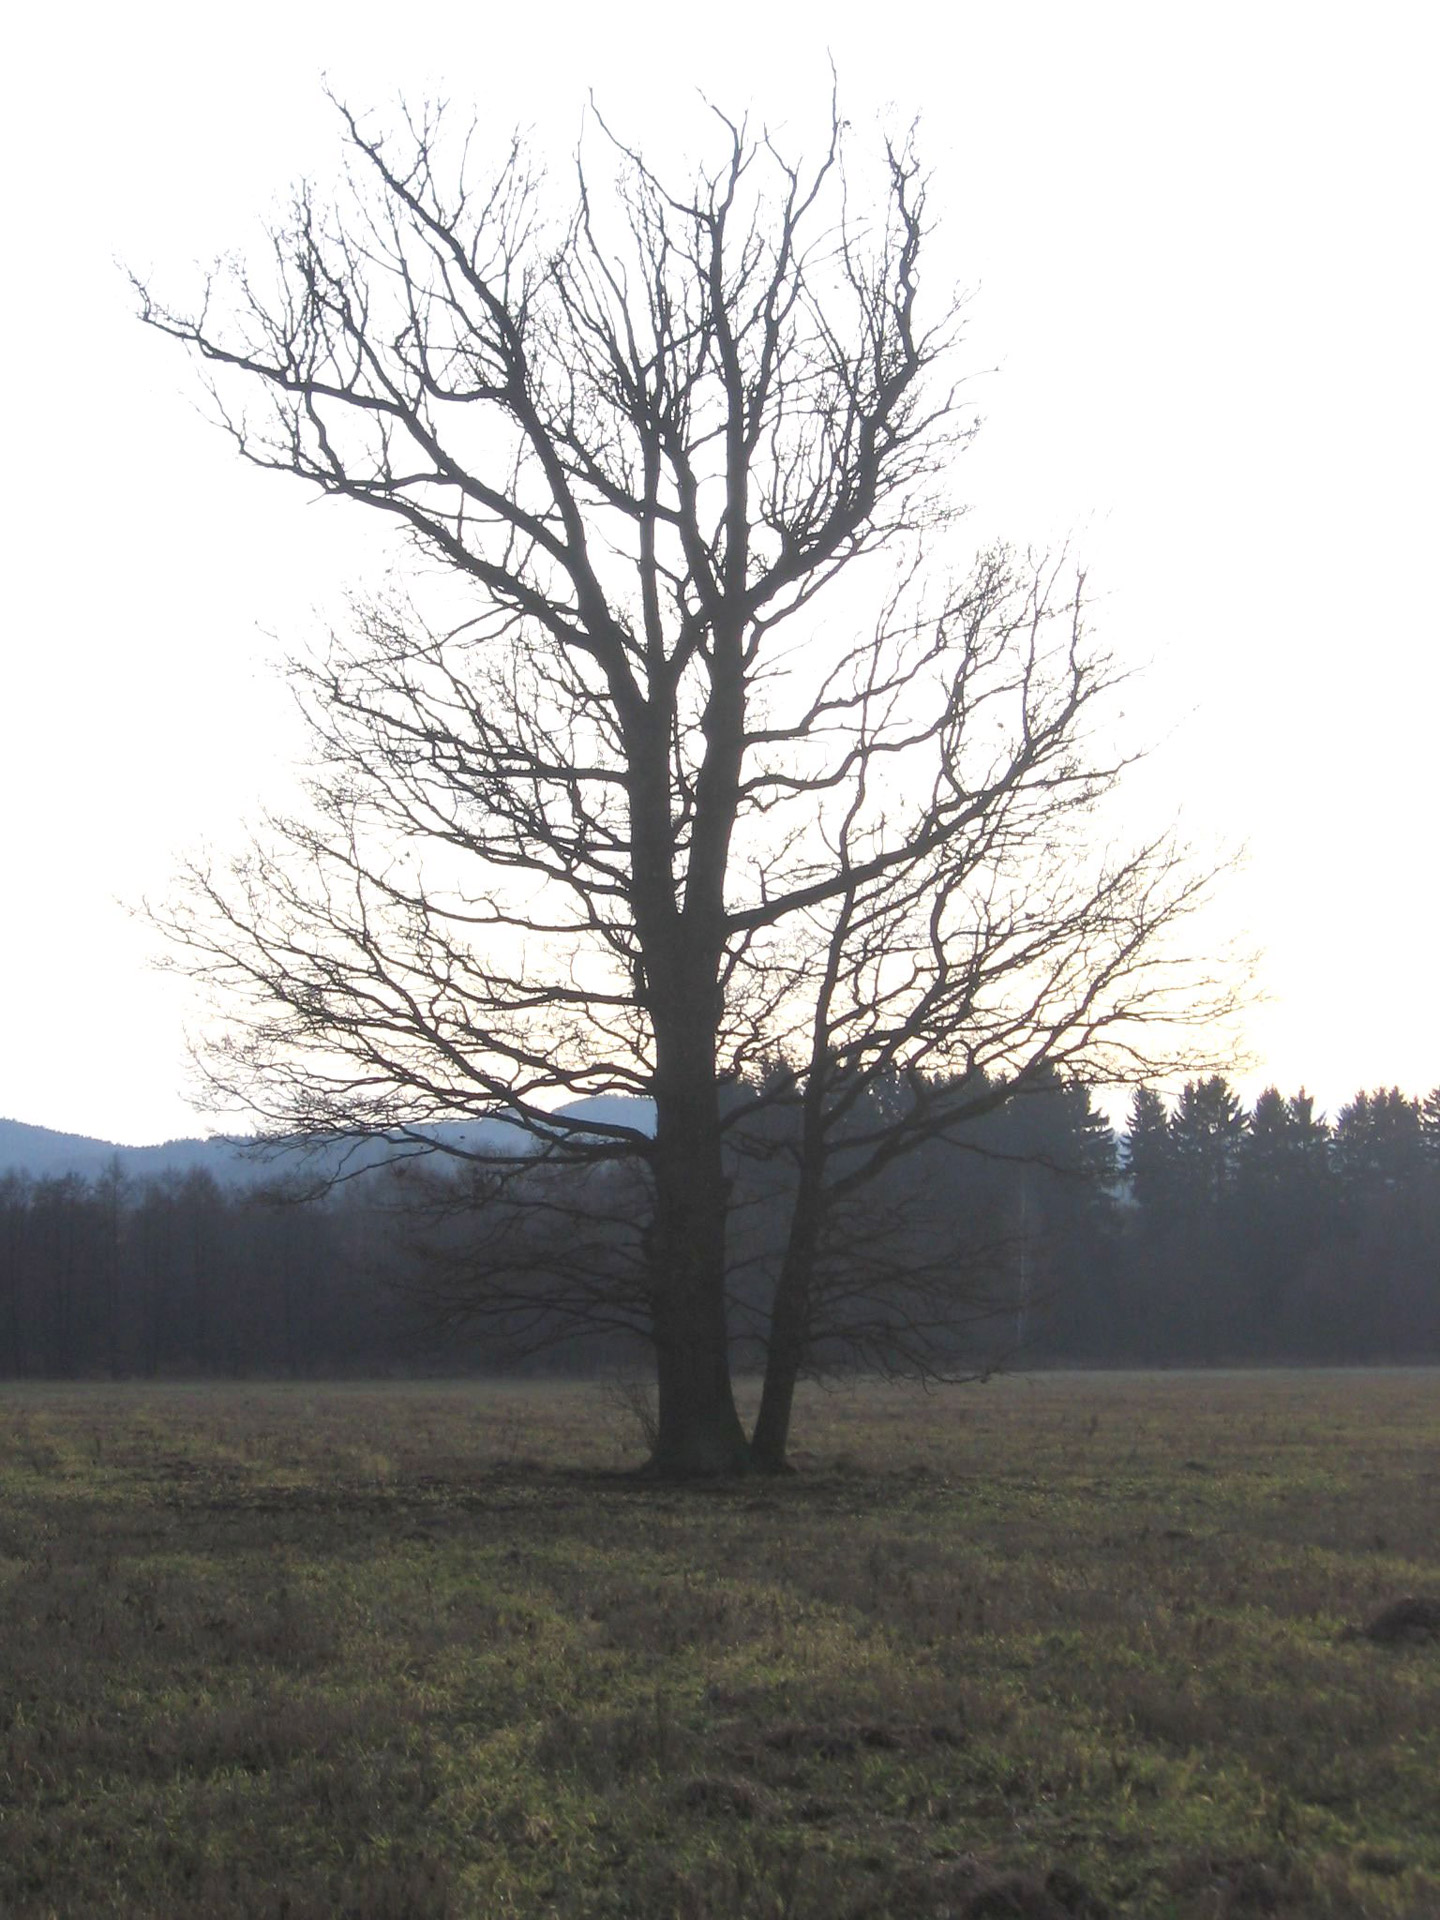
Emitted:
<point x="1206" y="1233"/>
<point x="45" y="1154"/>
<point x="41" y="1153"/>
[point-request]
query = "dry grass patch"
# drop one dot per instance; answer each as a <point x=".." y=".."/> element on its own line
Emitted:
<point x="1080" y="1645"/>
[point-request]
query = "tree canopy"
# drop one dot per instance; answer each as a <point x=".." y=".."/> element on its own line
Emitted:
<point x="689" y="761"/>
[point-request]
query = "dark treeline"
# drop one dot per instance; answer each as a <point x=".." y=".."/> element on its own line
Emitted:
<point x="181" y="1275"/>
<point x="1204" y="1234"/>
<point x="1274" y="1235"/>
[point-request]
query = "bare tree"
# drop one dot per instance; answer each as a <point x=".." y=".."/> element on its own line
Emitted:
<point x="699" y="768"/>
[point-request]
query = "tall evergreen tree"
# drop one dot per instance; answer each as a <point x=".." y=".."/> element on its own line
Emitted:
<point x="1379" y="1143"/>
<point x="1430" y="1128"/>
<point x="1281" y="1211"/>
<point x="1206" y="1131"/>
<point x="1147" y="1154"/>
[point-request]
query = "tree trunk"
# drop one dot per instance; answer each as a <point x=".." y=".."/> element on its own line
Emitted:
<point x="789" y="1330"/>
<point x="699" y="1431"/>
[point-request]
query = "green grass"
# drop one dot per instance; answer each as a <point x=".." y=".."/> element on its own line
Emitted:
<point x="418" y="1650"/>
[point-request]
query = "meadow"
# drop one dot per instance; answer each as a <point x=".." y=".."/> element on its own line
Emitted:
<point x="1077" y="1644"/>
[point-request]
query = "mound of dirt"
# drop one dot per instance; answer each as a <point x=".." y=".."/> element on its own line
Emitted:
<point x="839" y="1740"/>
<point x="1406" y="1621"/>
<point x="726" y="1794"/>
<point x="1059" y="1896"/>
<point x="964" y="1890"/>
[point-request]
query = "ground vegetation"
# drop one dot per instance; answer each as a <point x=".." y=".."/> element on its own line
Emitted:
<point x="1117" y="1644"/>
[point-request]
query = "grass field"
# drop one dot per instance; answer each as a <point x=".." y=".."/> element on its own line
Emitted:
<point x="418" y="1650"/>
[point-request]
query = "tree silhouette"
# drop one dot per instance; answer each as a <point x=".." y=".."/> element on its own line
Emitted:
<point x="1281" y="1210"/>
<point x="1147" y="1152"/>
<point x="1206" y="1131"/>
<point x="647" y="802"/>
<point x="1379" y="1143"/>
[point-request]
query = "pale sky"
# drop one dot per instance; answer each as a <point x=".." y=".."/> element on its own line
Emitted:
<point x="1202" y="241"/>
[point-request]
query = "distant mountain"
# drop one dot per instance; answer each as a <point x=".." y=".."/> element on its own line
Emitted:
<point x="613" y="1110"/>
<point x="45" y="1154"/>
